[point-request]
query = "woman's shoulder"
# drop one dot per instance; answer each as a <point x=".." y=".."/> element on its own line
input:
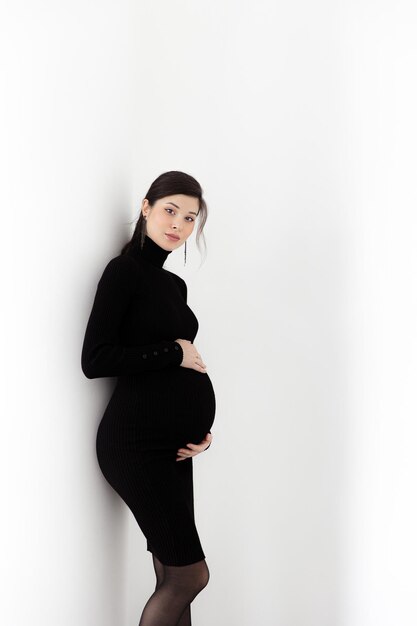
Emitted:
<point x="121" y="267"/>
<point x="121" y="262"/>
<point x="180" y="282"/>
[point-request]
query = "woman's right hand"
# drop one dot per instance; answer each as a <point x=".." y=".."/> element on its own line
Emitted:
<point x="191" y="358"/>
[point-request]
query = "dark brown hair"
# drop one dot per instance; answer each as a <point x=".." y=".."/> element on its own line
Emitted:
<point x="169" y="184"/>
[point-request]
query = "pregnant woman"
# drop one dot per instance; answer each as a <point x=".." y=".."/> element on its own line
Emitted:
<point x="141" y="330"/>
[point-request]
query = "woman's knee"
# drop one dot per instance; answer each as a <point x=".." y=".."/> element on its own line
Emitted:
<point x="205" y="574"/>
<point x="201" y="575"/>
<point x="192" y="577"/>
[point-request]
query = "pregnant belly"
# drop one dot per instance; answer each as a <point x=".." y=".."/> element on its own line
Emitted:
<point x="163" y="409"/>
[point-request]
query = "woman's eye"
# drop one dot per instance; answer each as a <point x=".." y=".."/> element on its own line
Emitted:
<point x="168" y="208"/>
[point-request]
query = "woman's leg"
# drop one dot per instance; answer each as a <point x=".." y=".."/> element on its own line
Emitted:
<point x="159" y="570"/>
<point x="178" y="588"/>
<point x="185" y="619"/>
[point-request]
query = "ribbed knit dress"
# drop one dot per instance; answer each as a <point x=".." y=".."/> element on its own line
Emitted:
<point x="157" y="406"/>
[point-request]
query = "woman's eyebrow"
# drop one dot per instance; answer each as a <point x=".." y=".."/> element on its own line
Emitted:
<point x="175" y="205"/>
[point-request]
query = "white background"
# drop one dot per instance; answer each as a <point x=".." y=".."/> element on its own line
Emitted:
<point x="298" y="119"/>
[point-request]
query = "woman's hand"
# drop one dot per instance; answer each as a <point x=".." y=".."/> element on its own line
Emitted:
<point x="195" y="448"/>
<point x="191" y="358"/>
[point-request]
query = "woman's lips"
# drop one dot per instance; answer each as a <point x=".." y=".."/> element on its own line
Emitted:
<point x="172" y="237"/>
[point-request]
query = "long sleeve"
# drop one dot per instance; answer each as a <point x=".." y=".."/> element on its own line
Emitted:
<point x="102" y="353"/>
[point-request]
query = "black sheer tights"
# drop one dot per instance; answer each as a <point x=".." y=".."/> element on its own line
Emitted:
<point x="176" y="587"/>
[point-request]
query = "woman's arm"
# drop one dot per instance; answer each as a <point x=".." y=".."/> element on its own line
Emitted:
<point x="102" y="355"/>
<point x="184" y="291"/>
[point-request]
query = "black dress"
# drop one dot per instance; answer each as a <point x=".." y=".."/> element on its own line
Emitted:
<point x="157" y="406"/>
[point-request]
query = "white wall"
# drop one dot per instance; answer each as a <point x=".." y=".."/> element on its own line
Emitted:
<point x="298" y="120"/>
<point x="66" y="174"/>
<point x="380" y="97"/>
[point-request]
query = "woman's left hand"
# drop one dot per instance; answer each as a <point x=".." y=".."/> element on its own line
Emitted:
<point x="193" y="449"/>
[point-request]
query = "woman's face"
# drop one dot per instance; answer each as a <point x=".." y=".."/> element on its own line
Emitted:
<point x="173" y="215"/>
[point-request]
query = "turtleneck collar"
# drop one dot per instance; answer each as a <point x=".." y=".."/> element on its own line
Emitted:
<point x="151" y="252"/>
